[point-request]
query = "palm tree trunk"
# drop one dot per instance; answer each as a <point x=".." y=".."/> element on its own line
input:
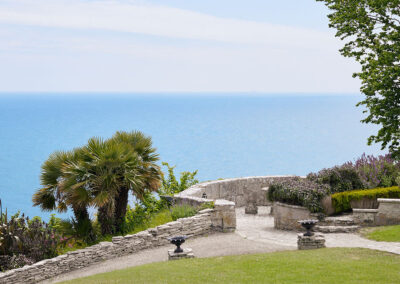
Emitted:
<point x="121" y="203"/>
<point x="106" y="220"/>
<point x="83" y="224"/>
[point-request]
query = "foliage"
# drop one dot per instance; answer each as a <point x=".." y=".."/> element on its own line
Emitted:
<point x="299" y="191"/>
<point x="170" y="185"/>
<point x="341" y="201"/>
<point x="182" y="211"/>
<point x="371" y="30"/>
<point x="332" y="265"/>
<point x="380" y="171"/>
<point x="8" y="262"/>
<point x="383" y="234"/>
<point x="206" y="205"/>
<point x="99" y="174"/>
<point x="338" y="178"/>
<point x="365" y="172"/>
<point x="25" y="241"/>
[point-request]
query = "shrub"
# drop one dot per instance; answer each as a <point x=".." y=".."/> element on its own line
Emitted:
<point x="170" y="185"/>
<point x="380" y="171"/>
<point x="341" y="201"/>
<point x="339" y="178"/>
<point x="299" y="191"/>
<point x="23" y="241"/>
<point x="182" y="211"/>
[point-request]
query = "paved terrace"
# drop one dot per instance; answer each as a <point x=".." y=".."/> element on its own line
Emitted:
<point x="254" y="234"/>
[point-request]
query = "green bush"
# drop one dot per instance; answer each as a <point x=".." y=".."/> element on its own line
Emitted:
<point x="182" y="211"/>
<point x="339" y="178"/>
<point x="341" y="201"/>
<point x="299" y="191"/>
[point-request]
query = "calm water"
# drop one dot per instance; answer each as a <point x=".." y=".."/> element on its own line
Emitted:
<point x="221" y="137"/>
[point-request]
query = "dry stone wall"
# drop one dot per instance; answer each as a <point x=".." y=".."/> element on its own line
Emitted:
<point x="197" y="225"/>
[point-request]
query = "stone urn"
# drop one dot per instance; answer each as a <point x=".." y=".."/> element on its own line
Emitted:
<point x="178" y="241"/>
<point x="308" y="225"/>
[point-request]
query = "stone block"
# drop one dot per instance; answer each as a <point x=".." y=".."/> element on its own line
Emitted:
<point x="388" y="212"/>
<point x="187" y="253"/>
<point x="310" y="242"/>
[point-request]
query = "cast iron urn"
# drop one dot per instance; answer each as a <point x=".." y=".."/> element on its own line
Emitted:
<point x="308" y="225"/>
<point x="178" y="241"/>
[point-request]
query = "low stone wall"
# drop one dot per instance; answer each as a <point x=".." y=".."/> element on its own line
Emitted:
<point x="286" y="216"/>
<point x="203" y="223"/>
<point x="364" y="217"/>
<point x="388" y="212"/>
<point x="241" y="191"/>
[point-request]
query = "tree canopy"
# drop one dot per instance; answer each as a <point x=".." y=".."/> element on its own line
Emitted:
<point x="100" y="174"/>
<point x="371" y="31"/>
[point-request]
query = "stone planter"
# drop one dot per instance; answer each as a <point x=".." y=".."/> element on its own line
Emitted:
<point x="286" y="216"/>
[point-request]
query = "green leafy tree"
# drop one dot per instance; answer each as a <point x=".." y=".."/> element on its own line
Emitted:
<point x="171" y="185"/>
<point x="371" y="31"/>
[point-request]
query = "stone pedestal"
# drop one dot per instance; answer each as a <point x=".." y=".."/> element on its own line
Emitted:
<point x="187" y="253"/>
<point x="313" y="242"/>
<point x="251" y="209"/>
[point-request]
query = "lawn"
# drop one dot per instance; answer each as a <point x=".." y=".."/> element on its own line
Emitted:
<point x="334" y="265"/>
<point x="383" y="234"/>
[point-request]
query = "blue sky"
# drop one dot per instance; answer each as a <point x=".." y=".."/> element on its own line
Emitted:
<point x="170" y="46"/>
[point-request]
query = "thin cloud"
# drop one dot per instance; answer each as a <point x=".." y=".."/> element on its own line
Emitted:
<point x="157" y="21"/>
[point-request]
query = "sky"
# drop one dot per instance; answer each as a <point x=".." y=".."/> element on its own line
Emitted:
<point x="259" y="46"/>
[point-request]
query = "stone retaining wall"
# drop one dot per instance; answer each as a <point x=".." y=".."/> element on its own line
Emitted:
<point x="205" y="222"/>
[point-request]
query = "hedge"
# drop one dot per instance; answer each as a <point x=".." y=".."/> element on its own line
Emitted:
<point x="341" y="201"/>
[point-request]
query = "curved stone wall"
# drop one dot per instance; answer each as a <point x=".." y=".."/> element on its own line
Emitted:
<point x="241" y="191"/>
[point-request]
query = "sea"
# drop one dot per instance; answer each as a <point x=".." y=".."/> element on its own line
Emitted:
<point x="219" y="135"/>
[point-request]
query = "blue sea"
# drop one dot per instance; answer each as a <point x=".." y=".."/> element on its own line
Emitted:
<point x="221" y="136"/>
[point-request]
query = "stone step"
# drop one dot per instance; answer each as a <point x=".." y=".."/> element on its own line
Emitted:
<point x="337" y="221"/>
<point x="336" y="229"/>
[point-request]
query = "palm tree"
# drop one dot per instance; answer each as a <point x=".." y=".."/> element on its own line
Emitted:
<point x="52" y="195"/>
<point x="105" y="167"/>
<point x="150" y="172"/>
<point x="100" y="174"/>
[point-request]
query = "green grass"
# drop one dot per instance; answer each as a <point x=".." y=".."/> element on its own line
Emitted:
<point x="383" y="234"/>
<point x="335" y="265"/>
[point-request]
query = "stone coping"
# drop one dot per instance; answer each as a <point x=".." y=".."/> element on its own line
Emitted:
<point x="360" y="210"/>
<point x="389" y="200"/>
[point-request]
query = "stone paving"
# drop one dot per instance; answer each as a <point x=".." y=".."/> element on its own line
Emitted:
<point x="260" y="228"/>
<point x="254" y="234"/>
